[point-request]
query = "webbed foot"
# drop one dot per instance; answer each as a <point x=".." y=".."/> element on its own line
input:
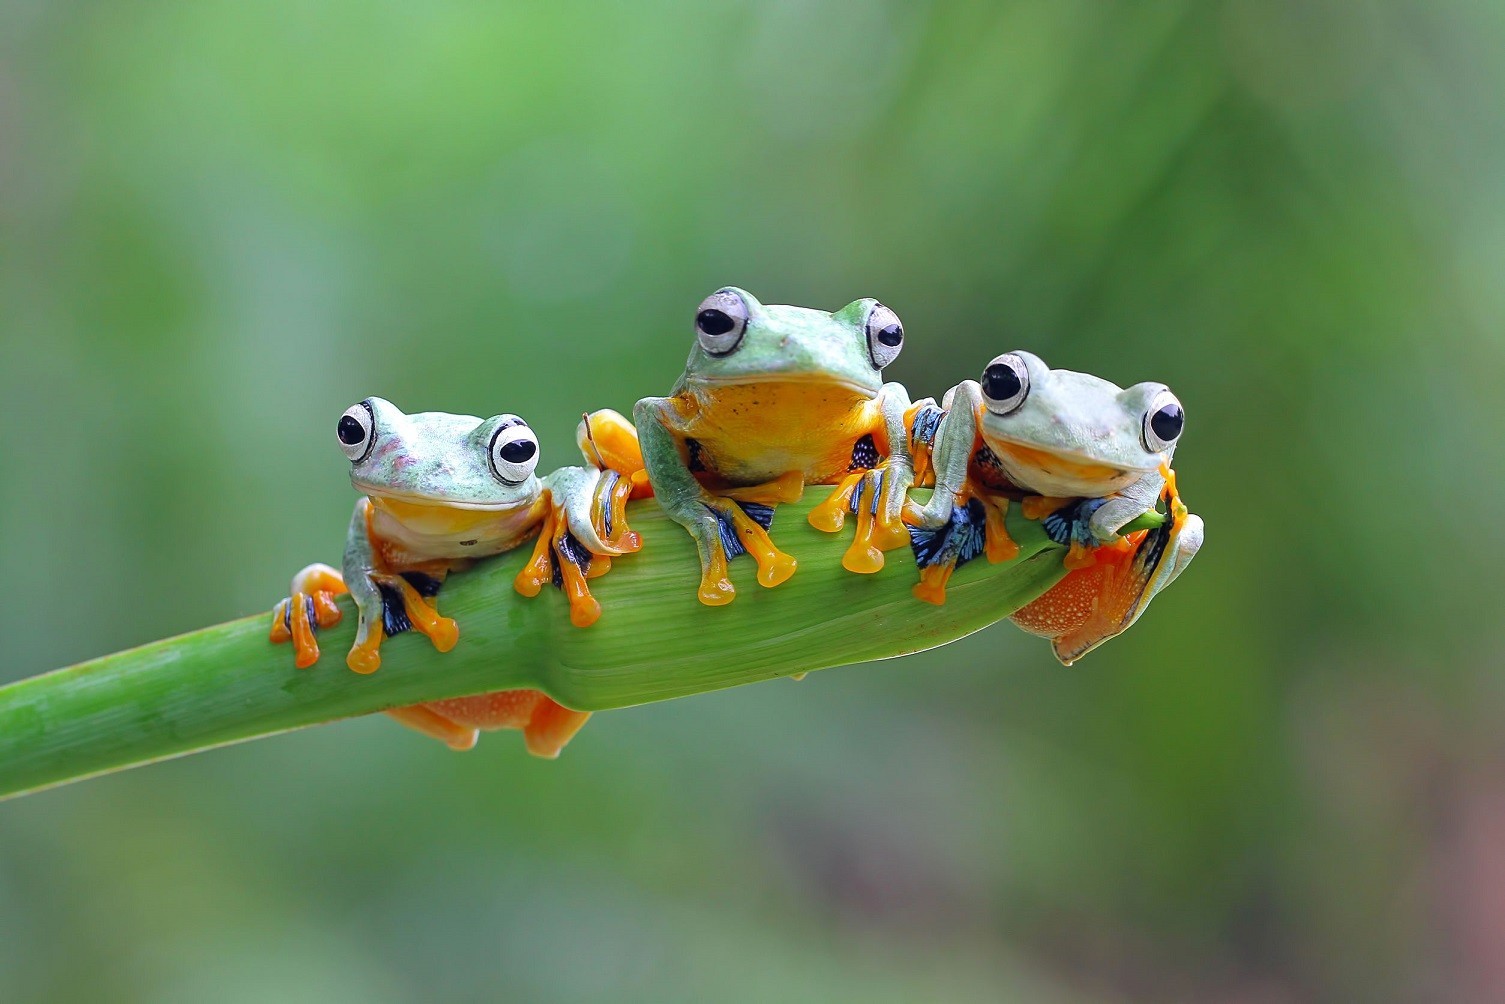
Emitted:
<point x="734" y="522"/>
<point x="547" y="725"/>
<point x="940" y="551"/>
<point x="1103" y="598"/>
<point x="309" y="608"/>
<point x="876" y="498"/>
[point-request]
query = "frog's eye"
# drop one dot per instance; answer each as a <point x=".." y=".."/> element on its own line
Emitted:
<point x="1163" y="422"/>
<point x="1005" y="384"/>
<point x="885" y="335"/>
<point x="355" y="430"/>
<point x="514" y="453"/>
<point x="720" y="321"/>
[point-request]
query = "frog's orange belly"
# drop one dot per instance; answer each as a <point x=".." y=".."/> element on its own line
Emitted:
<point x="749" y="435"/>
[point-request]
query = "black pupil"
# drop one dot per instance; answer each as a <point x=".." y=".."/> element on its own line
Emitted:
<point x="891" y="335"/>
<point x="714" y="322"/>
<point x="1167" y="422"/>
<point x="1000" y="382"/>
<point x="518" y="451"/>
<point x="350" y="431"/>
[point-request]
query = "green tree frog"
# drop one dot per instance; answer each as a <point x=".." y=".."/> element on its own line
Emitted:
<point x="438" y="492"/>
<point x="774" y="397"/>
<point x="1077" y="451"/>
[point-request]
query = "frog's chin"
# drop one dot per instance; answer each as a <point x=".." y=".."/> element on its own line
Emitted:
<point x="765" y="377"/>
<point x="1061" y="474"/>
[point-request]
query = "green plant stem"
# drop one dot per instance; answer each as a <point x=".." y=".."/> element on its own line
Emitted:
<point x="654" y="641"/>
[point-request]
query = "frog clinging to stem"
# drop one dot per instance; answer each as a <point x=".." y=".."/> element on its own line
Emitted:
<point x="774" y="397"/>
<point x="439" y="491"/>
<point x="1077" y="452"/>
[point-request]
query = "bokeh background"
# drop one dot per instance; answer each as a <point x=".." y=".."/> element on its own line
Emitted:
<point x="221" y="223"/>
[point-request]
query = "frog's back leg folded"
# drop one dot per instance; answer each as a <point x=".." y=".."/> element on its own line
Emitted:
<point x="547" y="725"/>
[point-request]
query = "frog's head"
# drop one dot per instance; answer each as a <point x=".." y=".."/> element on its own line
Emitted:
<point x="435" y="459"/>
<point x="740" y="341"/>
<point x="1067" y="434"/>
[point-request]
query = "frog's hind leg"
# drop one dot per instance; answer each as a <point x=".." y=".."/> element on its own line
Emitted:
<point x="1103" y="598"/>
<point x="547" y="725"/>
<point x="423" y="718"/>
<point x="405" y="607"/>
<point x="939" y="552"/>
<point x="309" y="607"/>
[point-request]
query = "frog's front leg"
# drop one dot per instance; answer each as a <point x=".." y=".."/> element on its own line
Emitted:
<point x="388" y="602"/>
<point x="309" y="607"/>
<point x="876" y="492"/>
<point x="724" y="525"/>
<point x="1088" y="526"/>
<point x="954" y="443"/>
<point x="583" y="527"/>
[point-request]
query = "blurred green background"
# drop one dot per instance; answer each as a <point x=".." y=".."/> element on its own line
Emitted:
<point x="221" y="223"/>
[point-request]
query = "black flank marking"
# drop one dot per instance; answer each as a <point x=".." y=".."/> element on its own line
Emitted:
<point x="469" y="543"/>
<point x="694" y="450"/>
<point x="864" y="454"/>
<point x="988" y="460"/>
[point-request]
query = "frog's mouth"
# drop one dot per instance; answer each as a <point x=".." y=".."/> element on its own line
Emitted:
<point x="1064" y="473"/>
<point x="400" y="502"/>
<point x="765" y="377"/>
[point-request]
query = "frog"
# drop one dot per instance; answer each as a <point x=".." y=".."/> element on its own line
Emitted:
<point x="1076" y="451"/>
<point x="774" y="397"/>
<point x="438" y="492"/>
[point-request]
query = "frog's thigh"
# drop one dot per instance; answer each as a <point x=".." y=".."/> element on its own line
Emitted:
<point x="425" y="719"/>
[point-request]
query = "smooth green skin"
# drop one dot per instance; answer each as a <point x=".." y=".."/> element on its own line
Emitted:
<point x="780" y="343"/>
<point x="443" y="460"/>
<point x="1073" y="415"/>
<point x="228" y="683"/>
